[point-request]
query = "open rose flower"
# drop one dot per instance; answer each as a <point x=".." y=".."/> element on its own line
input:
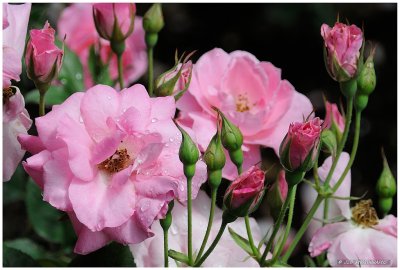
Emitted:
<point x="342" y="50"/>
<point x="227" y="253"/>
<point x="109" y="159"/>
<point x="245" y="192"/>
<point x="15" y="121"/>
<point x="43" y="58"/>
<point x="250" y="93"/>
<point x="76" y="21"/>
<point x="15" y="24"/>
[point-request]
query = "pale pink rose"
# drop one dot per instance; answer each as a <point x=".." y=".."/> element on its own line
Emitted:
<point x="337" y="208"/>
<point x="15" y="24"/>
<point x="300" y="147"/>
<point x="342" y="43"/>
<point x="164" y="85"/>
<point x="250" y="93"/>
<point x="226" y="254"/>
<point x="111" y="162"/>
<point x="333" y="117"/>
<point x="249" y="186"/>
<point x="107" y="16"/>
<point x="15" y="121"/>
<point x="43" y="58"/>
<point x="76" y="21"/>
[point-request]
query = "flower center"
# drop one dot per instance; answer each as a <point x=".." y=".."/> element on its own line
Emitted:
<point x="117" y="162"/>
<point x="242" y="103"/>
<point x="7" y="93"/>
<point x="364" y="214"/>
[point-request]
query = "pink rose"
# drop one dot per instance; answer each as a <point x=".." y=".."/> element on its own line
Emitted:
<point x="342" y="50"/>
<point x="76" y="21"/>
<point x="114" y="21"/>
<point x="110" y="162"/>
<point x="15" y="121"/>
<point x="299" y="149"/>
<point x="226" y="254"/>
<point x="15" y="24"/>
<point x="245" y="192"/>
<point x="43" y="58"/>
<point x="333" y="118"/>
<point x="250" y="93"/>
<point x="174" y="80"/>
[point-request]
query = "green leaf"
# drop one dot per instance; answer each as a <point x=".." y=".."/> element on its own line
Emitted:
<point x="55" y="95"/>
<point x="99" y="72"/>
<point x="241" y="241"/>
<point x="15" y="258"/>
<point x="71" y="74"/>
<point x="45" y="219"/>
<point x="14" y="190"/>
<point x="309" y="262"/>
<point x="178" y="256"/>
<point x="26" y="246"/>
<point x="114" y="254"/>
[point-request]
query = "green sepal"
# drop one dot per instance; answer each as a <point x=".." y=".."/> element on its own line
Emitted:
<point x="178" y="256"/>
<point x="241" y="241"/>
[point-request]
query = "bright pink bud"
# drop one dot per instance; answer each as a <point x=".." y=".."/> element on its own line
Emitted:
<point x="43" y="58"/>
<point x="114" y="21"/>
<point x="245" y="193"/>
<point x="277" y="194"/>
<point x="334" y="120"/>
<point x="299" y="149"/>
<point x="342" y="50"/>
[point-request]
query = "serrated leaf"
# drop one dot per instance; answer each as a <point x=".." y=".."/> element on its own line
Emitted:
<point x="55" y="95"/>
<point x="241" y="241"/>
<point x="114" y="254"/>
<point x="15" y="258"/>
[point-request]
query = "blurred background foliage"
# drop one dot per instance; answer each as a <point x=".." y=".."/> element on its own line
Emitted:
<point x="288" y="35"/>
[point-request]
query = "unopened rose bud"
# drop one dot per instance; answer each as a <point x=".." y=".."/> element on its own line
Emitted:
<point x="167" y="221"/>
<point x="153" y="20"/>
<point x="214" y="157"/>
<point x="334" y="120"/>
<point x="245" y="193"/>
<point x="300" y="147"/>
<point x="366" y="83"/>
<point x="188" y="153"/>
<point x="277" y="194"/>
<point x="43" y="58"/>
<point x="342" y="45"/>
<point x="386" y="187"/>
<point x="329" y="143"/>
<point x="114" y="21"/>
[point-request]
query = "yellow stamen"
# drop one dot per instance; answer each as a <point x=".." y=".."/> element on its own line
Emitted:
<point x="364" y="214"/>
<point x="117" y="162"/>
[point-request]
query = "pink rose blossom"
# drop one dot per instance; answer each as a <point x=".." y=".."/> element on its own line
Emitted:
<point x="110" y="162"/>
<point x="343" y="43"/>
<point x="106" y="15"/>
<point x="15" y="24"/>
<point x="248" y="187"/>
<point x="333" y="117"/>
<point x="299" y="148"/>
<point x="250" y="93"/>
<point x="43" y="58"/>
<point x="15" y="121"/>
<point x="76" y="21"/>
<point x="182" y="73"/>
<point x="226" y="254"/>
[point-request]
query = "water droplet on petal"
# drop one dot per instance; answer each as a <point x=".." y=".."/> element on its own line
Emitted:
<point x="109" y="97"/>
<point x="167" y="144"/>
<point x="80" y="119"/>
<point x="171" y="139"/>
<point x="154" y="120"/>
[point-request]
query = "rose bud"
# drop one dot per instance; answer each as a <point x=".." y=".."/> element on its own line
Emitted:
<point x="188" y="153"/>
<point x="176" y="80"/>
<point x="245" y="193"/>
<point x="386" y="187"/>
<point x="153" y="20"/>
<point x="277" y="194"/>
<point x="114" y="21"/>
<point x="214" y="157"/>
<point x="366" y="83"/>
<point x="334" y="120"/>
<point x="43" y="58"/>
<point x="300" y="147"/>
<point x="342" y="50"/>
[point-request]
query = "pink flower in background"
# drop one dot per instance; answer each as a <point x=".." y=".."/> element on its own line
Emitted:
<point x="76" y="21"/>
<point x="15" y="121"/>
<point x="249" y="186"/>
<point x="299" y="148"/>
<point x="110" y="159"/>
<point x="250" y="93"/>
<point x="333" y="117"/>
<point x="15" y="24"/>
<point x="43" y="58"/>
<point x="226" y="254"/>
<point x="342" y="43"/>
<point x="106" y="15"/>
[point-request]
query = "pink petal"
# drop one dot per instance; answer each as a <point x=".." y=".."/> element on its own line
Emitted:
<point x="30" y="143"/>
<point x="388" y="225"/>
<point x="251" y="157"/>
<point x="137" y="97"/>
<point x="34" y="166"/>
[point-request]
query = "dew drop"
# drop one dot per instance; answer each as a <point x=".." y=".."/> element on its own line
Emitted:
<point x="63" y="81"/>
<point x="78" y="76"/>
<point x="109" y="97"/>
<point x="80" y="119"/>
<point x="145" y="206"/>
<point x="171" y="139"/>
<point x="167" y="144"/>
<point x="154" y="120"/>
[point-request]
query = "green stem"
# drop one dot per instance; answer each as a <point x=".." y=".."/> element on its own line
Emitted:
<point x="42" y="103"/>
<point x="189" y="206"/>
<point x="303" y="228"/>
<point x="165" y="248"/>
<point x="250" y="236"/>
<point x="288" y="226"/>
<point x="213" y="245"/>
<point x="120" y="72"/>
<point x="150" y="70"/>
<point x="277" y="225"/>
<point x="210" y="221"/>
<point x="343" y="140"/>
<point x="326" y="211"/>
<point x="315" y="173"/>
